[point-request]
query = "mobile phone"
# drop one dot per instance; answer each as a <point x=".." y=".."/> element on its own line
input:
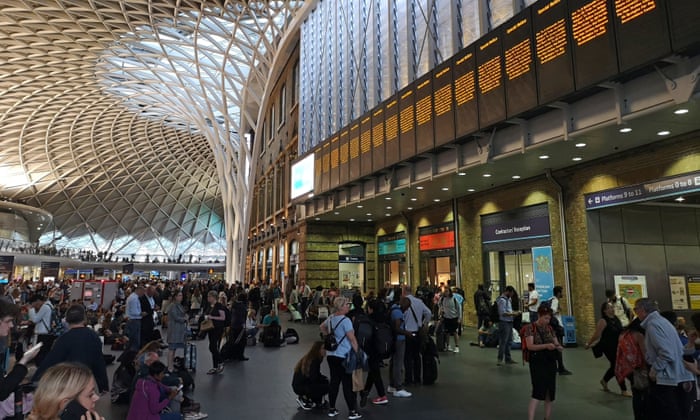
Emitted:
<point x="688" y="358"/>
<point x="34" y="347"/>
<point x="179" y="387"/>
<point x="73" y="411"/>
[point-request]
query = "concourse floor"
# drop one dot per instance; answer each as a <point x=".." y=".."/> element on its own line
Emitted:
<point x="469" y="386"/>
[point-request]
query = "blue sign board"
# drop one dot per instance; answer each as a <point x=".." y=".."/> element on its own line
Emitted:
<point x="543" y="271"/>
<point x="392" y="247"/>
<point x="350" y="259"/>
<point x="660" y="188"/>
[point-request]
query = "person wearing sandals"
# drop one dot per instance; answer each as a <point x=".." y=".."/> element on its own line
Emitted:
<point x="340" y="326"/>
<point x="606" y="336"/>
<point x="218" y="315"/>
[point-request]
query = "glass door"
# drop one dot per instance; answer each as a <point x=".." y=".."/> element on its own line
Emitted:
<point x="510" y="268"/>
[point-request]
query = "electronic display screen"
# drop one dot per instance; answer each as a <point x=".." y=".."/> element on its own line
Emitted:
<point x="335" y="163"/>
<point x="593" y="41"/>
<point x="684" y="16"/>
<point x="519" y="63"/>
<point x="326" y="161"/>
<point x="466" y="110"/>
<point x="490" y="89"/>
<point x="354" y="149"/>
<point x="391" y="131"/>
<point x="407" y="123"/>
<point x="443" y="104"/>
<point x="343" y="156"/>
<point x="424" y="114"/>
<point x="641" y="32"/>
<point x="366" y="144"/>
<point x="318" y="170"/>
<point x="378" y="139"/>
<point x="555" y="73"/>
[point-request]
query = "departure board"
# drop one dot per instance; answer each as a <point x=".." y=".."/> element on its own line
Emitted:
<point x="335" y="163"/>
<point x="641" y="30"/>
<point x="391" y="127"/>
<point x="443" y="104"/>
<point x="366" y="144"/>
<point x="344" y="156"/>
<point x="407" y="119"/>
<point x="378" y="139"/>
<point x="555" y="73"/>
<point x="519" y="62"/>
<point x="318" y="170"/>
<point x="466" y="110"/>
<point x="326" y="159"/>
<point x="593" y="42"/>
<point x="424" y="114"/>
<point x="490" y="87"/>
<point x="684" y="16"/>
<point x="354" y="150"/>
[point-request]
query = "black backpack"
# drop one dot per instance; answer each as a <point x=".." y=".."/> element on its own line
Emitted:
<point x="493" y="313"/>
<point x="364" y="330"/>
<point x="383" y="340"/>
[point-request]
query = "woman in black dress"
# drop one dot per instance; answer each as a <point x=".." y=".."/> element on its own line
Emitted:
<point x="542" y="345"/>
<point x="218" y="315"/>
<point x="607" y="334"/>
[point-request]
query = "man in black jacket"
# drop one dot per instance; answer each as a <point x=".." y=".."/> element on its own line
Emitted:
<point x="79" y="344"/>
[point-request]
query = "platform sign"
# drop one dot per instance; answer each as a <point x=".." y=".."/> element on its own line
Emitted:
<point x="391" y="131"/>
<point x="343" y="157"/>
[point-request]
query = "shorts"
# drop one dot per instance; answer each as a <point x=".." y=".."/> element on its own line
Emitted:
<point x="451" y="325"/>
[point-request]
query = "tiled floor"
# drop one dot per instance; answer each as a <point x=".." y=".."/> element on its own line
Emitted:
<point x="470" y="386"/>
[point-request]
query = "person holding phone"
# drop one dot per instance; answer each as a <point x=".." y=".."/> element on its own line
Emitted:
<point x="67" y="391"/>
<point x="9" y="383"/>
<point x="151" y="396"/>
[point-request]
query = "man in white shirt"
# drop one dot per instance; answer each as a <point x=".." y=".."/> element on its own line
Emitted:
<point x="40" y="315"/>
<point x="622" y="308"/>
<point x="558" y="293"/>
<point x="533" y="301"/>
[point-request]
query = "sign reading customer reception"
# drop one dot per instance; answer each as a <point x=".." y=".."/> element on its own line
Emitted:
<point x="521" y="228"/>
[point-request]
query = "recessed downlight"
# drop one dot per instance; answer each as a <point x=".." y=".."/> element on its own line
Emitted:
<point x="461" y="173"/>
<point x="625" y="130"/>
<point x="387" y="198"/>
<point x="543" y="157"/>
<point x="471" y="189"/>
<point x="369" y="220"/>
<point x="336" y="213"/>
<point x="352" y="220"/>
<point x="445" y="189"/>
<point x="387" y="214"/>
<point x="486" y="175"/>
<point x="663" y="133"/>
<point x="414" y="199"/>
<point x="388" y="207"/>
<point x="419" y="187"/>
<point x="317" y="219"/>
<point x="409" y="208"/>
<point x="436" y="199"/>
<point x="359" y="206"/>
<point x="368" y="214"/>
<point x="680" y="199"/>
<point x="581" y="144"/>
<point x="516" y="177"/>
<point x="681" y="111"/>
<point x="577" y="158"/>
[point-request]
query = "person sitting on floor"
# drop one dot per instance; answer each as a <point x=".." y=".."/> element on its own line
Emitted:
<point x="308" y="382"/>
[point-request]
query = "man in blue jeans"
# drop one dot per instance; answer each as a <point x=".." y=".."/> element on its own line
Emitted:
<point x="134" y="315"/>
<point x="505" y="326"/>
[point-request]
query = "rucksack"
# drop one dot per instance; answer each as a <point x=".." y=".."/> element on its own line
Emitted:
<point x="493" y="313"/>
<point x="523" y="341"/>
<point x="547" y="303"/>
<point x="56" y="328"/>
<point x="291" y="336"/>
<point x="227" y="313"/>
<point x="330" y="343"/>
<point x="383" y="340"/>
<point x="364" y="330"/>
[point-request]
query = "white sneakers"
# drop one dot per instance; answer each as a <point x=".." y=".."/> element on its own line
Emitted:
<point x="390" y="389"/>
<point x="456" y="350"/>
<point x="402" y="393"/>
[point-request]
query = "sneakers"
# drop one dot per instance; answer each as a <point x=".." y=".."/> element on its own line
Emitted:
<point x="626" y="393"/>
<point x="380" y="400"/>
<point x="195" y="416"/>
<point x="212" y="371"/>
<point x="354" y="415"/>
<point x="363" y="398"/>
<point x="390" y="389"/>
<point x="402" y="393"/>
<point x="449" y="348"/>
<point x="456" y="350"/>
<point x="332" y="412"/>
<point x="304" y="405"/>
<point x="220" y="369"/>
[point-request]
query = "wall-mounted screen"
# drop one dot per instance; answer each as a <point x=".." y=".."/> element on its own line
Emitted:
<point x="302" y="178"/>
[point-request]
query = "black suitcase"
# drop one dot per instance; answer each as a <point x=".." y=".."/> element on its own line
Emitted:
<point x="441" y="338"/>
<point x="272" y="336"/>
<point x="191" y="357"/>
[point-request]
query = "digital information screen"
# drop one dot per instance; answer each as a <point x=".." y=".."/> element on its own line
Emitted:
<point x="595" y="55"/>
<point x="318" y="170"/>
<point x="424" y="114"/>
<point x="344" y="157"/>
<point x="335" y="163"/>
<point x="684" y="16"/>
<point x="466" y="110"/>
<point x="391" y="127"/>
<point x="407" y="120"/>
<point x="555" y="73"/>
<point x="521" y="80"/>
<point x="378" y="139"/>
<point x="641" y="29"/>
<point x="354" y="150"/>
<point x="366" y="145"/>
<point x="490" y="90"/>
<point x="443" y="104"/>
<point x="326" y="176"/>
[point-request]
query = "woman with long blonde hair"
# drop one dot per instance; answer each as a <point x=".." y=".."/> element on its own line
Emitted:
<point x="308" y="381"/>
<point x="65" y="388"/>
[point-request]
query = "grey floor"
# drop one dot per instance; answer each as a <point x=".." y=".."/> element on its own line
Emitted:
<point x="470" y="386"/>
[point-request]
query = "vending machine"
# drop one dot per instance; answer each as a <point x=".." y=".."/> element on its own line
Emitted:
<point x="103" y="291"/>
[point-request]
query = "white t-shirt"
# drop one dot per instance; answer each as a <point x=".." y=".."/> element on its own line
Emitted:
<point x="536" y="297"/>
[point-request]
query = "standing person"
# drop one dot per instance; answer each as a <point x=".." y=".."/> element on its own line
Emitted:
<point x="557" y="294"/>
<point x="630" y="364"/>
<point x="238" y="334"/>
<point x="622" y="308"/>
<point x="398" y="326"/>
<point x="376" y="311"/>
<point x="10" y="382"/>
<point x="305" y="298"/>
<point x="505" y="326"/>
<point x="451" y="312"/>
<point x="671" y="392"/>
<point x="134" y="314"/>
<point x="533" y="301"/>
<point x="40" y="315"/>
<point x="308" y="382"/>
<point x="148" y="307"/>
<point x="218" y="315"/>
<point x="195" y="302"/>
<point x="79" y="344"/>
<point x="177" y="327"/>
<point x="61" y="385"/>
<point x="416" y="316"/>
<point x="606" y="336"/>
<point x="340" y="326"/>
<point x="542" y="343"/>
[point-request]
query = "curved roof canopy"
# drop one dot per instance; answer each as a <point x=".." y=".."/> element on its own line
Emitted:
<point x="122" y="118"/>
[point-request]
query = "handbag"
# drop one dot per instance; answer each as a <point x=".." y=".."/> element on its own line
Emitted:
<point x="640" y="378"/>
<point x="525" y="317"/>
<point x="206" y="325"/>
<point x="597" y="350"/>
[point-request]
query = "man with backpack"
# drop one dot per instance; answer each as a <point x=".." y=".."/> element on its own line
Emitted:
<point x="622" y="308"/>
<point x="41" y="315"/>
<point x="505" y="326"/>
<point x="557" y="325"/>
<point x="482" y="302"/>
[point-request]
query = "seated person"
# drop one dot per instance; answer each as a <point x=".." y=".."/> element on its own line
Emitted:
<point x="488" y="335"/>
<point x="270" y="319"/>
<point x="151" y="396"/>
<point x="308" y="382"/>
<point x="251" y="325"/>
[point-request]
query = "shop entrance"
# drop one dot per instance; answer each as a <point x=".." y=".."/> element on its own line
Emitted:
<point x="438" y="269"/>
<point x="511" y="268"/>
<point x="393" y="271"/>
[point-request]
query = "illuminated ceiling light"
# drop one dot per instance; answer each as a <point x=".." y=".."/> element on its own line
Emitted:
<point x="419" y="188"/>
<point x="388" y="207"/>
<point x="414" y="199"/>
<point x="369" y="220"/>
<point x="436" y="199"/>
<point x="352" y="220"/>
<point x="577" y="158"/>
<point x="461" y="173"/>
<point x="516" y="177"/>
<point x="387" y="198"/>
<point x="680" y="199"/>
<point x="663" y="133"/>
<point x="317" y="219"/>
<point x="580" y="144"/>
<point x="368" y="214"/>
<point x="681" y="111"/>
<point x="310" y="195"/>
<point x="625" y="130"/>
<point x="543" y="157"/>
<point x="471" y="189"/>
<point x="486" y="175"/>
<point x="359" y="206"/>
<point x="387" y="214"/>
<point x="336" y="213"/>
<point x="409" y="208"/>
<point x="445" y="189"/>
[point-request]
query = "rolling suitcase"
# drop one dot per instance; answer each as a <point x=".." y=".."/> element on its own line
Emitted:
<point x="441" y="338"/>
<point x="191" y="357"/>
